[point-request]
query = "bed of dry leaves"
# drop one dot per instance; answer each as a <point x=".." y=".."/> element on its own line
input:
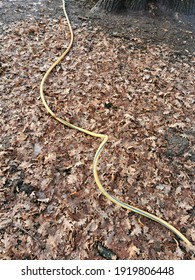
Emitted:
<point x="142" y="96"/>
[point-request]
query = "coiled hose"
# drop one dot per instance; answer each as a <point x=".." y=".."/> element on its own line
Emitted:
<point x="99" y="150"/>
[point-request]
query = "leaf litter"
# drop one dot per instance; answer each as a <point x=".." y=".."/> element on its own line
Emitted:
<point x="50" y="205"/>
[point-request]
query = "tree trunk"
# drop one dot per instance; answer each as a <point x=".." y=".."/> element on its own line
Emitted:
<point x="136" y="5"/>
<point x="109" y="5"/>
<point x="181" y="6"/>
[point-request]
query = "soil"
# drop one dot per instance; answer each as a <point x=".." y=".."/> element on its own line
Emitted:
<point x="151" y="26"/>
<point x="168" y="39"/>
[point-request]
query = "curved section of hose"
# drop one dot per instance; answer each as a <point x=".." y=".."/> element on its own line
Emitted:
<point x="98" y="152"/>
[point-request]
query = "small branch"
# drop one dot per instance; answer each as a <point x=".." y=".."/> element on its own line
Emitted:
<point x="28" y="233"/>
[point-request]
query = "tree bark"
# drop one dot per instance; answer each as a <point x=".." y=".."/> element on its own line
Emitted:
<point x="136" y="5"/>
<point x="109" y="5"/>
<point x="181" y="6"/>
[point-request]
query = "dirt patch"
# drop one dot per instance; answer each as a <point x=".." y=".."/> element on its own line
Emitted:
<point x="155" y="25"/>
<point x="151" y="26"/>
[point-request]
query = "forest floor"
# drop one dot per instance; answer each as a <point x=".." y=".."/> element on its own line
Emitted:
<point x="128" y="76"/>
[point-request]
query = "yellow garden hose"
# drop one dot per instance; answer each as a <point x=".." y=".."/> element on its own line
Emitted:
<point x="98" y="152"/>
